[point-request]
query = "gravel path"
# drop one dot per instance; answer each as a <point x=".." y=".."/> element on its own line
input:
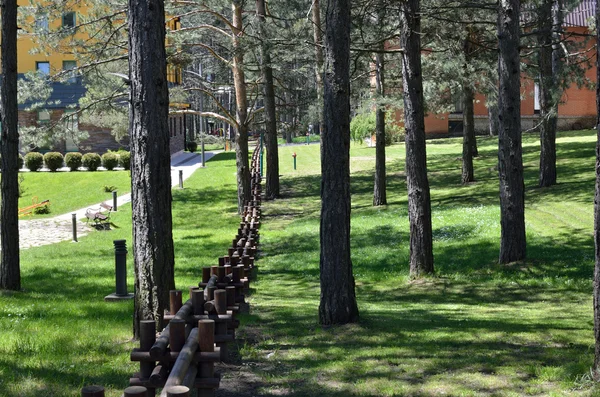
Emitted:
<point x="37" y="232"/>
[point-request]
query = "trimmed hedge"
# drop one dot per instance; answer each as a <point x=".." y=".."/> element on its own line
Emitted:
<point x="20" y="161"/>
<point x="73" y="160"/>
<point x="53" y="160"/>
<point x="110" y="160"/>
<point x="124" y="159"/>
<point x="91" y="161"/>
<point x="34" y="161"/>
<point x="192" y="146"/>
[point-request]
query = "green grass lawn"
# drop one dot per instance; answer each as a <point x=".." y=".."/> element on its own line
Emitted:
<point x="68" y="191"/>
<point x="475" y="329"/>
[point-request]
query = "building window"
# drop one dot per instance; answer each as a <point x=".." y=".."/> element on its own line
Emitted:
<point x="68" y="20"/>
<point x="72" y="76"/>
<point x="43" y="67"/>
<point x="41" y="23"/>
<point x="72" y="127"/>
<point x="43" y="116"/>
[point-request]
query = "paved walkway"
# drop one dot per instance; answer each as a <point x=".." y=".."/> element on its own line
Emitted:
<point x="33" y="233"/>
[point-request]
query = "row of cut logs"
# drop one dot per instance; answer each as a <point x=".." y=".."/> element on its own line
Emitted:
<point x="195" y="334"/>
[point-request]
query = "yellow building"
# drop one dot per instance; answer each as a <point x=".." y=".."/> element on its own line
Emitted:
<point x="65" y="23"/>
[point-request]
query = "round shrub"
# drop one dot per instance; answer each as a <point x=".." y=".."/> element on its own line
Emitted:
<point x="73" y="160"/>
<point x="192" y="146"/>
<point x="124" y="159"/>
<point x="91" y="161"/>
<point x="53" y="160"/>
<point x="34" y="161"/>
<point x="20" y="161"/>
<point x="110" y="160"/>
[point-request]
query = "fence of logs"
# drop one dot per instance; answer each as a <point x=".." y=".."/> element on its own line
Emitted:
<point x="182" y="357"/>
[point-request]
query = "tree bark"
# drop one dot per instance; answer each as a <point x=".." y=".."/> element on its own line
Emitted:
<point x="379" y="193"/>
<point x="272" y="177"/>
<point x="10" y="273"/>
<point x="510" y="160"/>
<point x="338" y="299"/>
<point x="596" y="366"/>
<point x="493" y="119"/>
<point x="548" y="88"/>
<point x="318" y="38"/>
<point x="239" y="81"/>
<point x="468" y="135"/>
<point x="419" y="204"/>
<point x="150" y="162"/>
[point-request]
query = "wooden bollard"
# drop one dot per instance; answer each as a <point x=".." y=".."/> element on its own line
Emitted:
<point x="221" y="301"/>
<point x="92" y="391"/>
<point x="198" y="301"/>
<point x="177" y="334"/>
<point x="178" y="391"/>
<point x="210" y="295"/>
<point x="221" y="274"/>
<point x="135" y="391"/>
<point x="175" y="301"/>
<point x="206" y="341"/>
<point x="205" y="274"/>
<point x="147" y="339"/>
<point x="230" y="295"/>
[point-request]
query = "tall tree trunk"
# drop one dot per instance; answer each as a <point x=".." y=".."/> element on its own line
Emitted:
<point x="239" y="81"/>
<point x="10" y="273"/>
<point x="338" y="299"/>
<point x="469" y="143"/>
<point x="510" y="159"/>
<point x="493" y="119"/>
<point x="548" y="94"/>
<point x="596" y="366"/>
<point x="468" y="135"/>
<point x="318" y="38"/>
<point x="150" y="161"/>
<point x="379" y="193"/>
<point x="419" y="204"/>
<point x="272" y="179"/>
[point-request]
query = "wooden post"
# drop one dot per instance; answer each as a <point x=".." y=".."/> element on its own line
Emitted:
<point x="221" y="301"/>
<point x="205" y="274"/>
<point x="198" y="301"/>
<point x="135" y="391"/>
<point x="178" y="391"/>
<point x="92" y="391"/>
<point x="147" y="339"/>
<point x="175" y="301"/>
<point x="177" y="334"/>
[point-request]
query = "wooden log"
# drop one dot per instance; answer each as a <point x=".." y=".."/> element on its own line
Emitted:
<point x="198" y="301"/>
<point x="171" y="357"/>
<point x="160" y="346"/>
<point x="221" y="301"/>
<point x="183" y="362"/>
<point x="92" y="391"/>
<point x="178" y="391"/>
<point x="211" y="283"/>
<point x="135" y="391"/>
<point x="209" y="307"/>
<point x="159" y="376"/>
<point x="147" y="340"/>
<point x="190" y="377"/>
<point x="177" y="334"/>
<point x="205" y="274"/>
<point x="206" y="335"/>
<point x="221" y="274"/>
<point x="175" y="301"/>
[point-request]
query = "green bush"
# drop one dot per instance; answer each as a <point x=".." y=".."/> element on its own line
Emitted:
<point x="91" y="161"/>
<point x="42" y="209"/>
<point x="124" y="159"/>
<point x="73" y="160"/>
<point x="53" y="160"/>
<point x="362" y="126"/>
<point x="34" y="161"/>
<point x="20" y="161"/>
<point x="192" y="146"/>
<point x="110" y="160"/>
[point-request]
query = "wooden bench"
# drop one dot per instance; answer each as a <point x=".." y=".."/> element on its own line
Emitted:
<point x="100" y="216"/>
